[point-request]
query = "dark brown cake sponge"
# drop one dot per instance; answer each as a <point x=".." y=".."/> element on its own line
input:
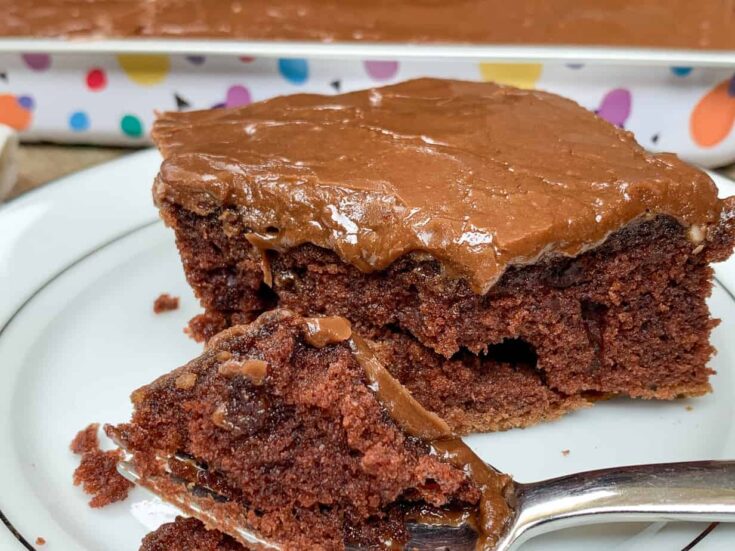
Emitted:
<point x="307" y="450"/>
<point x="188" y="534"/>
<point x="626" y="318"/>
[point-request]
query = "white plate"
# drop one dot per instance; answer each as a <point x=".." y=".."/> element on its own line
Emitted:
<point x="81" y="262"/>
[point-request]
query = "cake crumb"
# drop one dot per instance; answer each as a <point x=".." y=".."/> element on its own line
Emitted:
<point x="86" y="440"/>
<point x="186" y="381"/>
<point x="165" y="303"/>
<point x="688" y="408"/>
<point x="565" y="452"/>
<point x="97" y="470"/>
<point x="40" y="541"/>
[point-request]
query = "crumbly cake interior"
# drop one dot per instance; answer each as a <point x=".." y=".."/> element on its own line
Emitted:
<point x="188" y="534"/>
<point x="293" y="438"/>
<point x="97" y="470"/>
<point x="628" y="317"/>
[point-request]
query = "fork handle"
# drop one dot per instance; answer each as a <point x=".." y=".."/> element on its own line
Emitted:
<point x="694" y="491"/>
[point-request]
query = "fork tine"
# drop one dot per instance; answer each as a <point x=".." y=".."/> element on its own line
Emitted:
<point x="188" y="504"/>
<point x="424" y="537"/>
<point x="428" y="537"/>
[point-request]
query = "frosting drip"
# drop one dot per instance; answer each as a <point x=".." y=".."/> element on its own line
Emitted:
<point x="493" y="512"/>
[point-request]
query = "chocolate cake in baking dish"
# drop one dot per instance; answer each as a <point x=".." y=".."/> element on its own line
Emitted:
<point x="509" y="255"/>
<point x="705" y="24"/>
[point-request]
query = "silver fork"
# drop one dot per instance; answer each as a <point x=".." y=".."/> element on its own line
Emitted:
<point x="702" y="491"/>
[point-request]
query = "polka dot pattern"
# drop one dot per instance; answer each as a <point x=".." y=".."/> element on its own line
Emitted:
<point x="713" y="118"/>
<point x="96" y="79"/>
<point x="692" y="109"/>
<point x="522" y="75"/>
<point x="615" y="106"/>
<point x="131" y="126"/>
<point x="295" y="71"/>
<point x="146" y="70"/>
<point x="79" y="121"/>
<point x="26" y="102"/>
<point x="37" y="62"/>
<point x="237" y="96"/>
<point x="196" y="59"/>
<point x="13" y="113"/>
<point x="681" y="71"/>
<point x="381" y="70"/>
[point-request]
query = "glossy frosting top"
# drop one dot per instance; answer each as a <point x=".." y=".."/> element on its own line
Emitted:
<point x="478" y="175"/>
<point x="662" y="23"/>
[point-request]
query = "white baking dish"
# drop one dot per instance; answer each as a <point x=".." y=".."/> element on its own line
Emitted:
<point x="674" y="100"/>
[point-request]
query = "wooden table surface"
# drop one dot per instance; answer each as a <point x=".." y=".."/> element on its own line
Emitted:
<point x="40" y="164"/>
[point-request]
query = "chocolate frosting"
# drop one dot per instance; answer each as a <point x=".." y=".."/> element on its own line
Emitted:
<point x="660" y="23"/>
<point x="479" y="176"/>
<point x="327" y="330"/>
<point x="493" y="511"/>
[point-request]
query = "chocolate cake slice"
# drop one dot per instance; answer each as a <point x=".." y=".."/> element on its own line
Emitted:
<point x="510" y="255"/>
<point x="292" y="428"/>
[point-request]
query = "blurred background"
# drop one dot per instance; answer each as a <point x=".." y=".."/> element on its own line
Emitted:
<point x="81" y="80"/>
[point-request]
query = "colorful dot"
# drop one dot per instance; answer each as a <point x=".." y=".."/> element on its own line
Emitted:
<point x="615" y="106"/>
<point x="247" y="59"/>
<point x="96" y="79"/>
<point x="131" y="126"/>
<point x="196" y="59"/>
<point x="79" y="121"/>
<point x="13" y="114"/>
<point x="681" y="71"/>
<point x="237" y="95"/>
<point x="145" y="70"/>
<point x="37" y="62"/>
<point x="381" y="70"/>
<point x="26" y="102"/>
<point x="713" y="117"/>
<point x="522" y="75"/>
<point x="294" y="70"/>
